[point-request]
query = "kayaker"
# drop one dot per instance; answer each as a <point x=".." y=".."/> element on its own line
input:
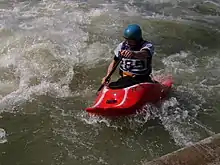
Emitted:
<point x="136" y="59"/>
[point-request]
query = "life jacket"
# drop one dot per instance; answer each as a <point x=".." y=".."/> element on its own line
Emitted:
<point x="133" y="66"/>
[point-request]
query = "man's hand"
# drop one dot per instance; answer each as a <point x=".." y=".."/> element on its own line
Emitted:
<point x="104" y="80"/>
<point x="127" y="53"/>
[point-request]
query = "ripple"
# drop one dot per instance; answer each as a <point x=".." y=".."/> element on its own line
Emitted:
<point x="2" y="136"/>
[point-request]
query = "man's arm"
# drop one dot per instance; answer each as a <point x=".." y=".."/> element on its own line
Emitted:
<point x="116" y="58"/>
<point x="111" y="66"/>
<point x="143" y="54"/>
<point x="146" y="51"/>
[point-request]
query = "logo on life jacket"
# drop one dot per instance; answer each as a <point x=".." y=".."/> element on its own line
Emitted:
<point x="131" y="67"/>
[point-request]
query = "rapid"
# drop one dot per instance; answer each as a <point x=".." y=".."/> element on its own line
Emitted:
<point x="53" y="55"/>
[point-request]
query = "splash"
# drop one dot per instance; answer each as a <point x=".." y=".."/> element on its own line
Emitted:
<point x="39" y="55"/>
<point x="2" y="136"/>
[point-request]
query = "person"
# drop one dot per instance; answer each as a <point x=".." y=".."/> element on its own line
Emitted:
<point x="135" y="54"/>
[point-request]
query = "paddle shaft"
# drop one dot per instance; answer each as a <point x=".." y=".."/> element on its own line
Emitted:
<point x="110" y="74"/>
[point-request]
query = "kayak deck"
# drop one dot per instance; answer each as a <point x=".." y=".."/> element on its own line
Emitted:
<point x="126" y="101"/>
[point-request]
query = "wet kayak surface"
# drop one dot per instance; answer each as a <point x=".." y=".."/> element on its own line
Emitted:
<point x="54" y="55"/>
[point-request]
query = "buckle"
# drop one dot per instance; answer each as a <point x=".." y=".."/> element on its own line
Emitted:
<point x="128" y="74"/>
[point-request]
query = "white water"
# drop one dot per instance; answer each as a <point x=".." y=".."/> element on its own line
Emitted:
<point x="2" y="136"/>
<point x="43" y="42"/>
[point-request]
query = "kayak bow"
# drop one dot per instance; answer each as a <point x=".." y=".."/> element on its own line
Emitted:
<point x="127" y="101"/>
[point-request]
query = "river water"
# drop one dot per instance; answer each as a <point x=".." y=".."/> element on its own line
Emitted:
<point x="53" y="54"/>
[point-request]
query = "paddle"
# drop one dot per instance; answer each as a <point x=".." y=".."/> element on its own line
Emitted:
<point x="109" y="75"/>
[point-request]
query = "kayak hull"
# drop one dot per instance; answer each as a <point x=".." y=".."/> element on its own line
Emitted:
<point x="129" y="100"/>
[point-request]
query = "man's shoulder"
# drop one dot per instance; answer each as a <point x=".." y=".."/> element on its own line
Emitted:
<point x="121" y="44"/>
<point x="118" y="48"/>
<point x="149" y="46"/>
<point x="147" y="43"/>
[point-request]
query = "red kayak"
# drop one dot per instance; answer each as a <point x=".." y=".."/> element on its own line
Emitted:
<point x="129" y="100"/>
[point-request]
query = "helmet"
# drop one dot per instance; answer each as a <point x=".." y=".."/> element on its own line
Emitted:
<point x="133" y="32"/>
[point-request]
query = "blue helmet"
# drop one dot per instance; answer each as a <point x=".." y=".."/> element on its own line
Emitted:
<point x="133" y="32"/>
